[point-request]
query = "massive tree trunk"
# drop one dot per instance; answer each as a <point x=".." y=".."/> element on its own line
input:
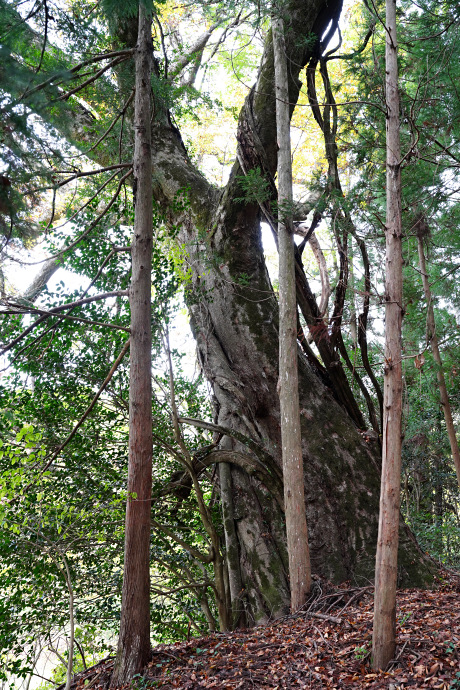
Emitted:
<point x="234" y="318"/>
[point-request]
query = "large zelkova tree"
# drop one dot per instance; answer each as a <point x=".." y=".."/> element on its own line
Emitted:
<point x="232" y="306"/>
<point x="234" y="316"/>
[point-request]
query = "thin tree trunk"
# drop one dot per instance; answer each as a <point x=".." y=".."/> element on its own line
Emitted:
<point x="291" y="441"/>
<point x="384" y="634"/>
<point x="68" y="581"/>
<point x="231" y="546"/>
<point x="352" y="284"/>
<point x="433" y="339"/>
<point x="206" y="517"/>
<point x="324" y="275"/>
<point x="134" y="641"/>
<point x="65" y="571"/>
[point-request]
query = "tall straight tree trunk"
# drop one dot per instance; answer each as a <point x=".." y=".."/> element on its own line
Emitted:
<point x="134" y="641"/>
<point x="291" y="441"/>
<point x="433" y="339"/>
<point x="384" y="634"/>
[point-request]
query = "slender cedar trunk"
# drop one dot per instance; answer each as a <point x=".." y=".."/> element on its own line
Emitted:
<point x="291" y="441"/>
<point x="433" y="339"/>
<point x="134" y="641"/>
<point x="384" y="634"/>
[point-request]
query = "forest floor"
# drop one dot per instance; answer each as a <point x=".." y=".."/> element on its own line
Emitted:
<point x="326" y="646"/>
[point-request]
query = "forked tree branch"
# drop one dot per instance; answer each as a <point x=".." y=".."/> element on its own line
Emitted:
<point x="23" y="309"/>
<point x="54" y="79"/>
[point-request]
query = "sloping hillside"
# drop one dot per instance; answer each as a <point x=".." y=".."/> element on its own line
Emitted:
<point x="325" y="646"/>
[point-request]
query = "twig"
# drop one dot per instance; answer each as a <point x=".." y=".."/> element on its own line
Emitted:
<point x="22" y="309"/>
<point x="202" y="558"/>
<point x="114" y="122"/>
<point x="92" y="682"/>
<point x="81" y="208"/>
<point x="75" y="69"/>
<point x="81" y="319"/>
<point x="163" y="652"/>
<point x="88" y="173"/>
<point x="92" y="79"/>
<point x="82" y="654"/>
<point x="91" y="227"/>
<point x="325" y="617"/>
<point x="66" y="316"/>
<point x="355" y="596"/>
<point x="401" y="650"/>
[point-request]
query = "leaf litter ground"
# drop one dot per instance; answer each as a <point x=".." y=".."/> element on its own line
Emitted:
<point x="326" y="646"/>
